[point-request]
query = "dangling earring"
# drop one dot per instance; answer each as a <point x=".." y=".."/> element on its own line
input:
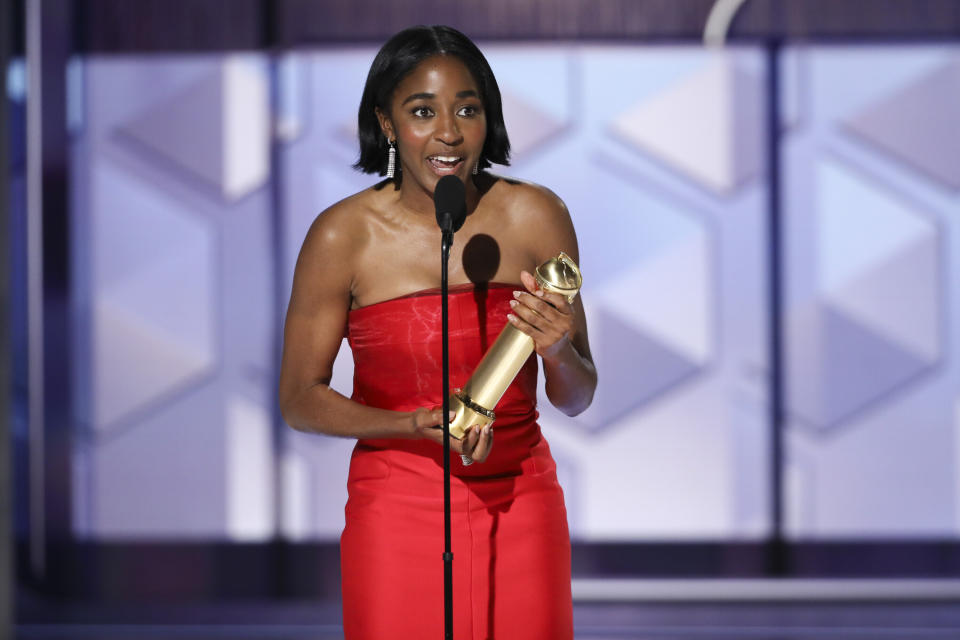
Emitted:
<point x="476" y="167"/>
<point x="391" y="159"/>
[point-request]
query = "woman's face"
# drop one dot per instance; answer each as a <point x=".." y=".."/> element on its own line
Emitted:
<point x="437" y="119"/>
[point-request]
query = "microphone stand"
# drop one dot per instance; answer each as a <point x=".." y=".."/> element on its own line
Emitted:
<point x="445" y="244"/>
<point x="449" y="199"/>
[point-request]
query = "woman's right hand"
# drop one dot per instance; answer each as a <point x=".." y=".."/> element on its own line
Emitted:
<point x="476" y="443"/>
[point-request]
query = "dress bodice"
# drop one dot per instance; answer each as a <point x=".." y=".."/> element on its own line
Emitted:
<point x="397" y="355"/>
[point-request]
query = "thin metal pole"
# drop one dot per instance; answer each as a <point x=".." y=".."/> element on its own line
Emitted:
<point x="279" y="547"/>
<point x="35" y="333"/>
<point x="6" y="475"/>
<point x="49" y="26"/>
<point x="279" y="429"/>
<point x="777" y="557"/>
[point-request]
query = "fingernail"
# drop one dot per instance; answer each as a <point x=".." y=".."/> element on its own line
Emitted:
<point x="511" y="317"/>
<point x="514" y="303"/>
<point x="516" y="294"/>
<point x="540" y="292"/>
<point x="453" y="415"/>
<point x="487" y="429"/>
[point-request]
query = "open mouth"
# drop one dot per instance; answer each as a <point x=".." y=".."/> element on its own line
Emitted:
<point x="445" y="164"/>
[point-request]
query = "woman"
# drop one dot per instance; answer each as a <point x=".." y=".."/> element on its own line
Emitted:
<point x="369" y="267"/>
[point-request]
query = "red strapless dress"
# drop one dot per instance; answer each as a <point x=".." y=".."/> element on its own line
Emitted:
<point x="511" y="545"/>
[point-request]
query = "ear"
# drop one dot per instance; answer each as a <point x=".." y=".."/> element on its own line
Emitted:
<point x="386" y="125"/>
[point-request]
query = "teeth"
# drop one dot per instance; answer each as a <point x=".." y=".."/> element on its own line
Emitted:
<point x="445" y="158"/>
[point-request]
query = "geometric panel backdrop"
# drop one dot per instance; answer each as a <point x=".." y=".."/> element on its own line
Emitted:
<point x="175" y="280"/>
<point x="872" y="203"/>
<point x="176" y="283"/>
<point x="174" y="289"/>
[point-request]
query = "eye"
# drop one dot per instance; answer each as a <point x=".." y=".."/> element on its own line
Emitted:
<point x="468" y="111"/>
<point x="421" y="112"/>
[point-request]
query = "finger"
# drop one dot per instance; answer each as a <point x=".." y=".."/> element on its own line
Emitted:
<point x="551" y="327"/>
<point x="555" y="300"/>
<point x="527" y="314"/>
<point x="539" y="314"/>
<point x="470" y="439"/>
<point x="529" y="282"/>
<point x="558" y="301"/>
<point x="484" y="444"/>
<point x="524" y="326"/>
<point x="549" y="305"/>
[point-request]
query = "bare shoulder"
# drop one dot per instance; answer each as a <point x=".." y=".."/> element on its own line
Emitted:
<point x="539" y="216"/>
<point x="335" y="245"/>
<point x="341" y="226"/>
<point x="531" y="201"/>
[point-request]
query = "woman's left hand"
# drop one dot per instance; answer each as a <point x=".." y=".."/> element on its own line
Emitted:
<point x="544" y="316"/>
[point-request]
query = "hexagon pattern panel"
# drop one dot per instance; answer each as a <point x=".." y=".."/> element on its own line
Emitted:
<point x="177" y="276"/>
<point x="176" y="308"/>
<point x="658" y="153"/>
<point x="179" y="313"/>
<point x="871" y="200"/>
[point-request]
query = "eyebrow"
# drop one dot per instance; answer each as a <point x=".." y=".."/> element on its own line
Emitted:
<point x="469" y="93"/>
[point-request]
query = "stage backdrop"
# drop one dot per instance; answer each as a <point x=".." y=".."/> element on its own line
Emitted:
<point x="871" y="156"/>
<point x="185" y="243"/>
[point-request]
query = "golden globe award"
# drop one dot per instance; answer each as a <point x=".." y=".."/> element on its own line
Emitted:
<point x="474" y="403"/>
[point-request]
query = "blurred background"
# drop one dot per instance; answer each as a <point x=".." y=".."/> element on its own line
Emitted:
<point x="767" y="199"/>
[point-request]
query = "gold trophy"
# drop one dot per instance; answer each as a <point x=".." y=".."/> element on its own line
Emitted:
<point x="474" y="403"/>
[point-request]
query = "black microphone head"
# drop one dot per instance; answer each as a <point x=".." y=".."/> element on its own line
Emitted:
<point x="450" y="199"/>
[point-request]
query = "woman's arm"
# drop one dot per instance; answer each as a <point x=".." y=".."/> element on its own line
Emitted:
<point x="313" y="331"/>
<point x="558" y="328"/>
<point x="314" y="328"/>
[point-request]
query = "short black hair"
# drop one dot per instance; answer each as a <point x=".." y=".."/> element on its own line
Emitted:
<point x="398" y="57"/>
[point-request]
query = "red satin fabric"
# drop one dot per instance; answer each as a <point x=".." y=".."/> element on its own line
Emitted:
<point x="511" y="546"/>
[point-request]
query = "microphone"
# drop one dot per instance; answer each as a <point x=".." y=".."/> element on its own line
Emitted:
<point x="450" y="200"/>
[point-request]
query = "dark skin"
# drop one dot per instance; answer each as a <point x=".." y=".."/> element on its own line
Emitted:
<point x="437" y="120"/>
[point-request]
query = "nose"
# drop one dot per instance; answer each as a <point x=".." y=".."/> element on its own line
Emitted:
<point x="448" y="129"/>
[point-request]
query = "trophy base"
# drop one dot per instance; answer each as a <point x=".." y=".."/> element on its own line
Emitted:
<point x="468" y="415"/>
